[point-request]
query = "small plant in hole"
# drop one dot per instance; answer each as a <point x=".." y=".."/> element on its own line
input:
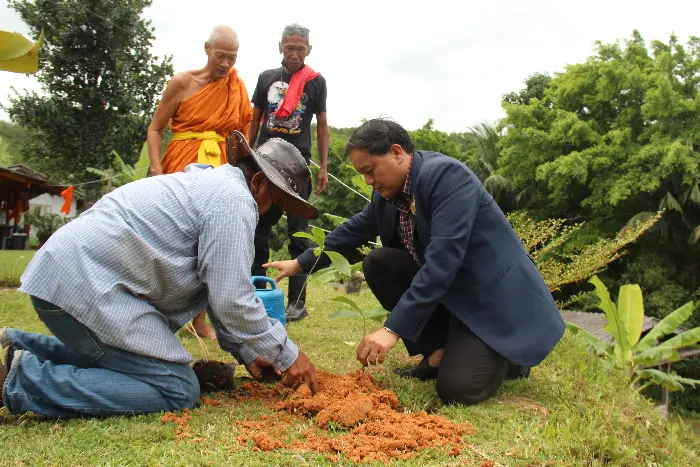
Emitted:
<point x="355" y="312"/>
<point x="341" y="269"/>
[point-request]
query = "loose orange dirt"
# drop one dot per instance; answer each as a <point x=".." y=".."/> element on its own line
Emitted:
<point x="378" y="430"/>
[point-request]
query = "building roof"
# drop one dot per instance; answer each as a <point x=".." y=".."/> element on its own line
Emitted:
<point x="26" y="172"/>
<point x="37" y="182"/>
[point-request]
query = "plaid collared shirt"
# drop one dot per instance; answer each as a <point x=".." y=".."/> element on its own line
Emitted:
<point x="403" y="201"/>
<point x="149" y="256"/>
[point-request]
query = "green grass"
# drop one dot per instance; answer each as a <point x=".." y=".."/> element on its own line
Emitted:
<point x="12" y="264"/>
<point x="569" y="412"/>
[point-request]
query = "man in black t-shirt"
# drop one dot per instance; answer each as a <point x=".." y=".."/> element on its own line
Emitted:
<point x="285" y="100"/>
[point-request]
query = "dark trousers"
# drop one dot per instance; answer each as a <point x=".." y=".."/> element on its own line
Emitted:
<point x="470" y="370"/>
<point x="297" y="290"/>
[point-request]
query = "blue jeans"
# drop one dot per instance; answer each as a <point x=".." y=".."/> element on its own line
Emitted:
<point x="75" y="374"/>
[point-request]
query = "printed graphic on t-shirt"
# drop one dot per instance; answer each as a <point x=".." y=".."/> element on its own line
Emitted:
<point x="290" y="124"/>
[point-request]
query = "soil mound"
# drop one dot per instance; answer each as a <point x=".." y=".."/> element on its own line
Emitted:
<point x="378" y="431"/>
<point x="353" y="417"/>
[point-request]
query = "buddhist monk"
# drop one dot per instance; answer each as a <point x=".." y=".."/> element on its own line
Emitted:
<point x="203" y="107"/>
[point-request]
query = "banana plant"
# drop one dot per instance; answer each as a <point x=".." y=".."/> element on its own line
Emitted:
<point x="120" y="173"/>
<point x="19" y="54"/>
<point x="632" y="353"/>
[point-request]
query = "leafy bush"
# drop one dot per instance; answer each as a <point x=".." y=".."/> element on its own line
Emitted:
<point x="46" y="224"/>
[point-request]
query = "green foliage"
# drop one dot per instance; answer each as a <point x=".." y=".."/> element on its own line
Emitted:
<point x="535" y="87"/>
<point x="118" y="173"/>
<point x="609" y="132"/>
<point x="484" y="162"/>
<point x="359" y="182"/>
<point x="454" y="145"/>
<point x="337" y="199"/>
<point x="374" y="314"/>
<point x="317" y="235"/>
<point x="632" y="355"/>
<point x="612" y="141"/>
<point x="341" y="269"/>
<point x="12" y="265"/>
<point x="46" y="224"/>
<point x="14" y="136"/>
<point x="100" y="84"/>
<point x="559" y="266"/>
<point x="6" y="158"/>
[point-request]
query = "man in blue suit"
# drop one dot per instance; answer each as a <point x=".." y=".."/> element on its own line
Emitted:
<point x="462" y="290"/>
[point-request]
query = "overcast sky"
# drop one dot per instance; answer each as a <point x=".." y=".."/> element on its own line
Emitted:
<point x="450" y="61"/>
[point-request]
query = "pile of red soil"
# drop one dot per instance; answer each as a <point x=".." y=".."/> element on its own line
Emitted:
<point x="378" y="431"/>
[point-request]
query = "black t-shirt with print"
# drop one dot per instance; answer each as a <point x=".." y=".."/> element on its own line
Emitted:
<point x="295" y="128"/>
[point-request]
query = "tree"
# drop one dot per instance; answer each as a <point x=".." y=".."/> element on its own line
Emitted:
<point x="535" y="86"/>
<point x="618" y="131"/>
<point x="485" y="164"/>
<point x="5" y="156"/>
<point x="614" y="137"/>
<point x="100" y="84"/>
<point x="13" y="136"/>
<point x="428" y="138"/>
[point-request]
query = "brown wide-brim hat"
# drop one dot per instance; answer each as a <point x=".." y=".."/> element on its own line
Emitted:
<point x="282" y="164"/>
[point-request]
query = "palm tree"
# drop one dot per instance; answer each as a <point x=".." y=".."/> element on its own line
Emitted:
<point x="486" y="164"/>
<point x="682" y="199"/>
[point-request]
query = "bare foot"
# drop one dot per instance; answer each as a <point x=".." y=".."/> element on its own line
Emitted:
<point x="435" y="358"/>
<point x="202" y="328"/>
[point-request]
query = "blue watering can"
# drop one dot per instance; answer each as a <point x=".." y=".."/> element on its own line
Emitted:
<point x="273" y="299"/>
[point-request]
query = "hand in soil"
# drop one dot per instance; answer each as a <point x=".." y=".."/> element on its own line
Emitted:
<point x="373" y="347"/>
<point x="286" y="268"/>
<point x="302" y="370"/>
<point x="263" y="371"/>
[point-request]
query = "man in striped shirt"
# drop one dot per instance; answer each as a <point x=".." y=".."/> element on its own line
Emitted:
<point x="114" y="285"/>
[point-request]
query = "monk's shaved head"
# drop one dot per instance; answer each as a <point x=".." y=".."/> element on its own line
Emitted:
<point x="222" y="51"/>
<point x="222" y="32"/>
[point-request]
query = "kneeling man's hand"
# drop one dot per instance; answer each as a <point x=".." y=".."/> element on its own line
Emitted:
<point x="287" y="268"/>
<point x="257" y="367"/>
<point x="302" y="370"/>
<point x="374" y="347"/>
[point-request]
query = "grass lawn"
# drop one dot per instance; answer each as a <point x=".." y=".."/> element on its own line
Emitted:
<point x="569" y="412"/>
<point x="12" y="263"/>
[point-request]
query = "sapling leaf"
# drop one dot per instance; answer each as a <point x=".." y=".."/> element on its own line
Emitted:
<point x="329" y="275"/>
<point x="340" y="263"/>
<point x="306" y="235"/>
<point x="359" y="182"/>
<point x="319" y="236"/>
<point x="347" y="301"/>
<point x="337" y="220"/>
<point x="345" y="313"/>
<point x="377" y="314"/>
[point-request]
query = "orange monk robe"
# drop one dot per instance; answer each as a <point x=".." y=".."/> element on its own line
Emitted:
<point x="221" y="106"/>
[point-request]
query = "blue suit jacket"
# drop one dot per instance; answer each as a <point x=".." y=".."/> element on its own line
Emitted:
<point x="472" y="262"/>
